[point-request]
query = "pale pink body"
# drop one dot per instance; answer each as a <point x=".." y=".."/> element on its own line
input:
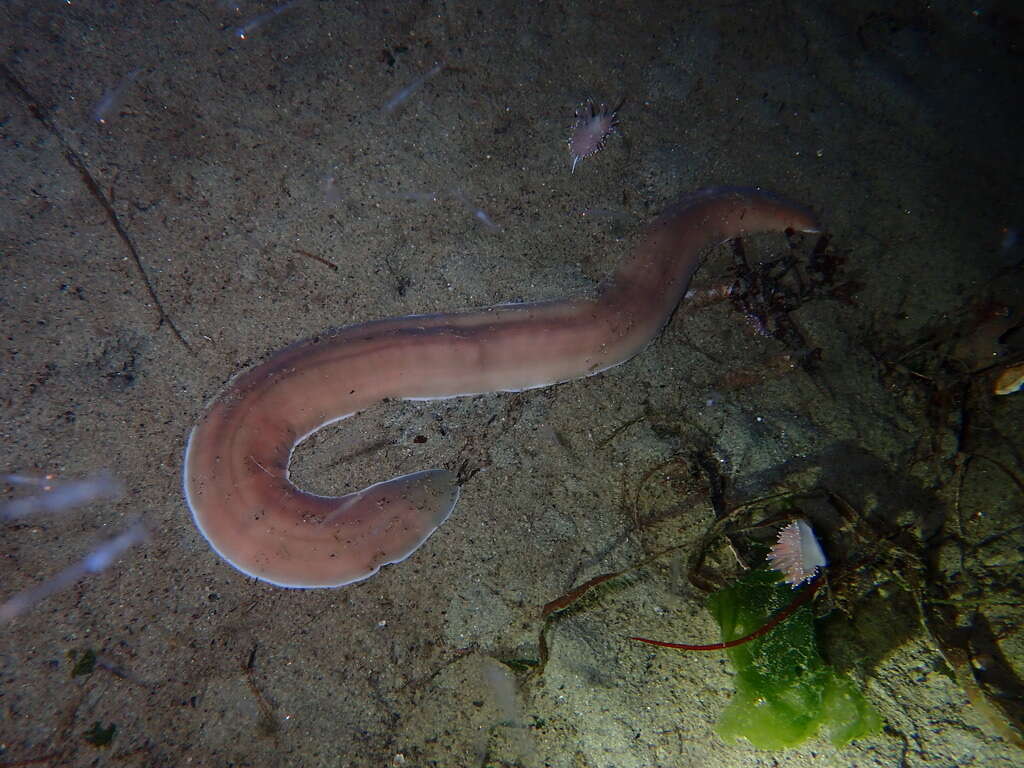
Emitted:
<point x="797" y="555"/>
<point x="592" y="127"/>
<point x="236" y="463"/>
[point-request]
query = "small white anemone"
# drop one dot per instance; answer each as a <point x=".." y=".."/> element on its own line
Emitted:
<point x="797" y="555"/>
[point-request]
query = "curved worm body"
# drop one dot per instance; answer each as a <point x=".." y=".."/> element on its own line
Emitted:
<point x="236" y="462"/>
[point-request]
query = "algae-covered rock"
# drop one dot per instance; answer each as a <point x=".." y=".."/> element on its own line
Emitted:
<point x="785" y="692"/>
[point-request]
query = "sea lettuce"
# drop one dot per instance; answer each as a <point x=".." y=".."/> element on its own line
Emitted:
<point x="785" y="692"/>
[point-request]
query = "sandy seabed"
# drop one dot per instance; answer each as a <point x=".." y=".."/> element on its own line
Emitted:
<point x="244" y="193"/>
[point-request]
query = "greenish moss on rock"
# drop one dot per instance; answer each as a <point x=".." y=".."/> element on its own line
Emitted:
<point x="785" y="692"/>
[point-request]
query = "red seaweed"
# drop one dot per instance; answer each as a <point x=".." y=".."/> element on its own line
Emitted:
<point x="805" y="594"/>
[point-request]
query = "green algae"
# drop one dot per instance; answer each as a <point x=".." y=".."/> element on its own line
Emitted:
<point x="99" y="736"/>
<point x="82" y="664"/>
<point x="785" y="692"/>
